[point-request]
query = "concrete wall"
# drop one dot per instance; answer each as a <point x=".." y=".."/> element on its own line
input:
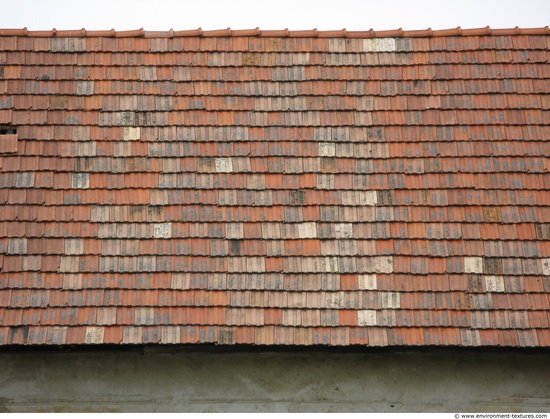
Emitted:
<point x="214" y="381"/>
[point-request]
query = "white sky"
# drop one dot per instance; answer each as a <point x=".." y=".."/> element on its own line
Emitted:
<point x="293" y="14"/>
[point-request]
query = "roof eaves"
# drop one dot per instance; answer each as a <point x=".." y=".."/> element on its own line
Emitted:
<point x="283" y="33"/>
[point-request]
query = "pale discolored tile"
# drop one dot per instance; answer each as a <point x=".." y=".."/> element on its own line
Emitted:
<point x="391" y="300"/>
<point x="367" y="282"/>
<point x="366" y="318"/>
<point x="234" y="231"/>
<point x="132" y="133"/>
<point x="473" y="265"/>
<point x="383" y="264"/>
<point x="327" y="149"/>
<point x="162" y="230"/>
<point x="307" y="230"/>
<point x="343" y="230"/>
<point x="224" y="164"/>
<point x="94" y="334"/>
<point x="494" y="283"/>
<point x="379" y="45"/>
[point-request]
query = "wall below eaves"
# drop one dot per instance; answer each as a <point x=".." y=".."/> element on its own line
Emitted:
<point x="381" y="381"/>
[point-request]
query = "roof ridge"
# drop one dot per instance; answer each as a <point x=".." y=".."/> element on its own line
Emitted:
<point x="284" y="33"/>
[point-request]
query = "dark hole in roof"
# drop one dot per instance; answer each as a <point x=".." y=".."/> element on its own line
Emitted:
<point x="7" y="129"/>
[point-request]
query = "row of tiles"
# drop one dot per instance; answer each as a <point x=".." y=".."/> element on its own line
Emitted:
<point x="268" y="59"/>
<point x="133" y="145"/>
<point x="450" y="222"/>
<point x="335" y="242"/>
<point x="440" y="220"/>
<point x="274" y="223"/>
<point x="324" y="143"/>
<point x="257" y="201"/>
<point x="239" y="133"/>
<point x="356" y="264"/>
<point x="290" y="304"/>
<point x="326" y="163"/>
<point x="430" y="117"/>
<point x="324" y="166"/>
<point x="254" y="284"/>
<point x="279" y="42"/>
<point x="275" y="103"/>
<point x="272" y="335"/>
<point x="440" y="247"/>
<point x="291" y="87"/>
<point x="143" y="316"/>
<point x="240" y="225"/>
<point x="255" y="156"/>
<point x="278" y="68"/>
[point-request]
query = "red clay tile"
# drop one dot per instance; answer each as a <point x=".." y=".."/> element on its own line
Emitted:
<point x="358" y="336"/>
<point x="348" y="317"/>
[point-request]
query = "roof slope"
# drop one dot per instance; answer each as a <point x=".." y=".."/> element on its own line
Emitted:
<point x="275" y="188"/>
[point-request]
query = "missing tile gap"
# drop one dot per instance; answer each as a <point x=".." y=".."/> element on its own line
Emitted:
<point x="7" y="130"/>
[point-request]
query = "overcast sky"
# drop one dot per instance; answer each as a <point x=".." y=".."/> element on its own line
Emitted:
<point x="292" y="14"/>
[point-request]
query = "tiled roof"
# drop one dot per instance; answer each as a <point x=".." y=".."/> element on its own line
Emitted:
<point x="275" y="187"/>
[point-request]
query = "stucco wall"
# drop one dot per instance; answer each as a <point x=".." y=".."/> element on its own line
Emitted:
<point x="217" y="381"/>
